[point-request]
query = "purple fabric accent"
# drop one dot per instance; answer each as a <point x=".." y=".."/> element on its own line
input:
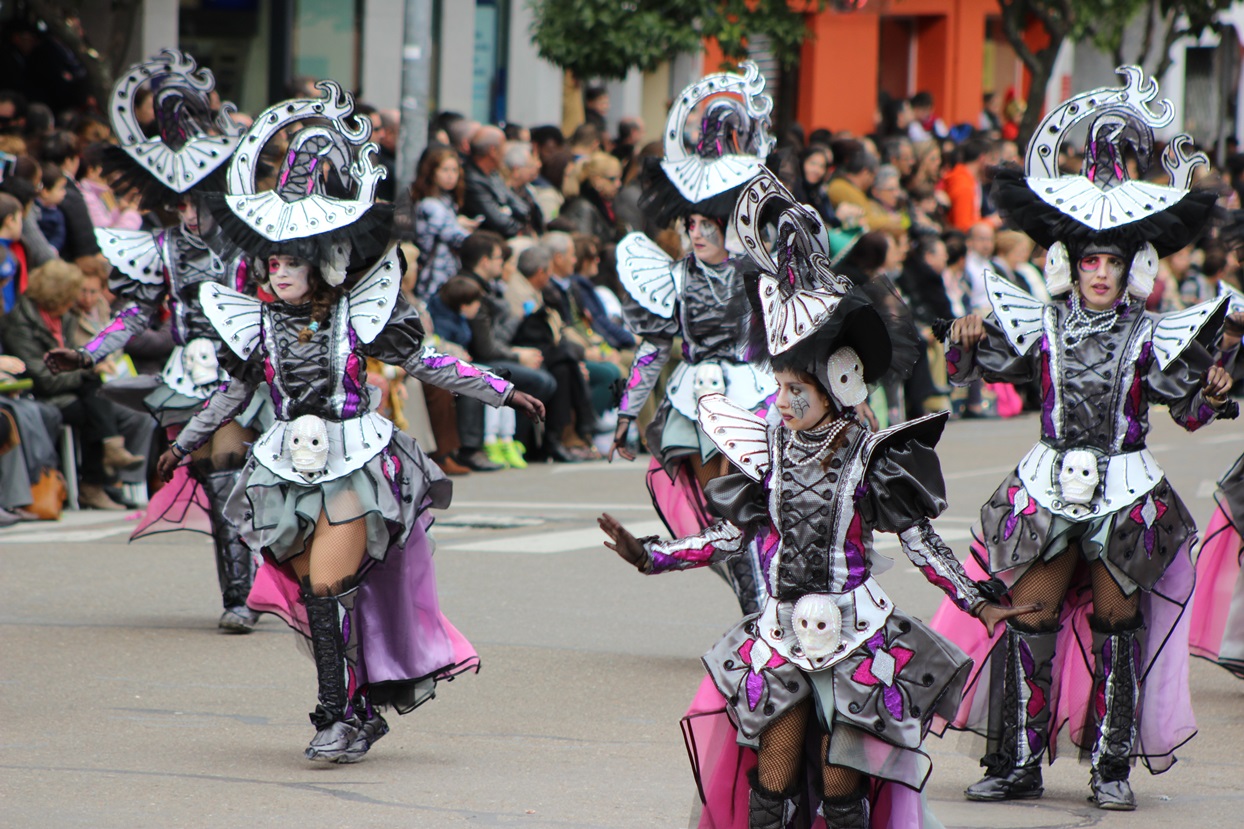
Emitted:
<point x="289" y="160"/>
<point x="352" y="382"/>
<point x="117" y="324"/>
<point x="240" y="276"/>
<point x="853" y="546"/>
<point x="1048" y="393"/>
<point x="392" y="468"/>
<point x="953" y="356"/>
<point x="893" y="702"/>
<point x="467" y="370"/>
<point x="311" y="175"/>
<point x="661" y="562"/>
<point x="942" y="583"/>
<point x="1008" y="530"/>
<point x="755" y="687"/>
<point x="686" y="351"/>
<point x="269" y="373"/>
<point x="1135" y="399"/>
<point x="769" y="544"/>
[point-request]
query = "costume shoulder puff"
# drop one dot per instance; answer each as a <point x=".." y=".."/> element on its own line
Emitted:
<point x="237" y="318"/>
<point x="135" y="253"/>
<point x="373" y="297"/>
<point x="740" y="435"/>
<point x="648" y="274"/>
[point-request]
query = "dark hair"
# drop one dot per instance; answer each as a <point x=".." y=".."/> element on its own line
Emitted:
<point x="814" y="149"/>
<point x="545" y="133"/>
<point x="323" y="298"/>
<point x="974" y="148"/>
<point x="477" y="246"/>
<point x="58" y="147"/>
<point x="857" y="162"/>
<point x="922" y="99"/>
<point x="870" y="251"/>
<point x="459" y="292"/>
<point x="585" y="246"/>
<point x="93" y="156"/>
<point x="1215" y="259"/>
<point x="627" y="128"/>
<point x="51" y="175"/>
<point x="512" y="131"/>
<point x="17" y="99"/>
<point x="584" y="134"/>
<point x="594" y="93"/>
<point x="19" y="188"/>
<point x="956" y="246"/>
<point x="425" y="185"/>
<point x="8" y="206"/>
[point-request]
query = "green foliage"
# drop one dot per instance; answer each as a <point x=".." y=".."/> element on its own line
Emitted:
<point x="607" y="38"/>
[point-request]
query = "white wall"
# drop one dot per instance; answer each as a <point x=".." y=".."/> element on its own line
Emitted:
<point x="383" y="29"/>
<point x="533" y="85"/>
<point x="456" y="50"/>
<point x="158" y="26"/>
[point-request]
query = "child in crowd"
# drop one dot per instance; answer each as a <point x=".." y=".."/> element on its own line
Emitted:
<point x="51" y="219"/>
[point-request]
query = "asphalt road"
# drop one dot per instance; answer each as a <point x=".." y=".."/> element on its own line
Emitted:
<point x="121" y="706"/>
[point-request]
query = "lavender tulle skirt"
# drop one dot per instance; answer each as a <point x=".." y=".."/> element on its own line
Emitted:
<point x="407" y="645"/>
<point x="1164" y="713"/>
<point x="1217" y="627"/>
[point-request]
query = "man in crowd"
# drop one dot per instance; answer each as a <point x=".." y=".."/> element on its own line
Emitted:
<point x="487" y="196"/>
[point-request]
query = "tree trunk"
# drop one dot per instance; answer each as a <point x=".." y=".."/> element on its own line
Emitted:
<point x="1035" y="104"/>
<point x="572" y="103"/>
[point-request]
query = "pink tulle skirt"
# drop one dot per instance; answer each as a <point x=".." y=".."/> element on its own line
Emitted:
<point x="678" y="500"/>
<point x="181" y="504"/>
<point x="1213" y="635"/>
<point x="1164" y="714"/>
<point x="405" y="640"/>
<point x="721" y="766"/>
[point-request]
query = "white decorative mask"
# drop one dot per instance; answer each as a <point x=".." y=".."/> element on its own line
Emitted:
<point x="1144" y="272"/>
<point x="1077" y="480"/>
<point x="307" y="444"/>
<point x="846" y="377"/>
<point x="1057" y="269"/>
<point x="198" y="360"/>
<point x="818" y="625"/>
<point x="709" y="379"/>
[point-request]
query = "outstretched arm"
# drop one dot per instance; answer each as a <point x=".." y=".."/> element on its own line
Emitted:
<point x="649" y="555"/>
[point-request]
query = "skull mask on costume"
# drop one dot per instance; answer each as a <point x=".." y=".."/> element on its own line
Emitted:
<point x="198" y="360"/>
<point x="709" y="379"/>
<point x="846" y="377"/>
<point x="1077" y="480"/>
<point x="818" y="625"/>
<point x="307" y="443"/>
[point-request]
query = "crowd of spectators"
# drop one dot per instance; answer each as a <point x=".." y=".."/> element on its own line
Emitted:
<point x="509" y="233"/>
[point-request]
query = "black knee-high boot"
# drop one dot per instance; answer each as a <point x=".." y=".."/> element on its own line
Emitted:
<point x="1013" y="771"/>
<point x="335" y="647"/>
<point x="1116" y="649"/>
<point x="847" y="812"/>
<point x="766" y="809"/>
<point x="235" y="565"/>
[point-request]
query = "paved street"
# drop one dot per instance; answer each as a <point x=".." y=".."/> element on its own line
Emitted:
<point x="121" y="706"/>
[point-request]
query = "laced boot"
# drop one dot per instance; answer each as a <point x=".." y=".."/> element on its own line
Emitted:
<point x="235" y="565"/>
<point x="331" y="620"/>
<point x="766" y="809"/>
<point x="374" y="727"/>
<point x="1117" y="652"/>
<point x="847" y="812"/>
<point x="1013" y="771"/>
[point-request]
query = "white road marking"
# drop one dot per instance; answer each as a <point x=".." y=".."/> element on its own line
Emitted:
<point x="564" y="541"/>
<point x="544" y="506"/>
<point x="57" y="535"/>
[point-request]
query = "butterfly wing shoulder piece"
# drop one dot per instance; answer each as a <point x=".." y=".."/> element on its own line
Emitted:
<point x="740" y="435"/>
<point x="237" y="318"/>
<point x="648" y="273"/>
<point x="372" y="299"/>
<point x="1019" y="313"/>
<point x="135" y="253"/>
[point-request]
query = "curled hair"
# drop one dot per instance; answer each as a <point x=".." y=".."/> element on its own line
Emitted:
<point x="54" y="285"/>
<point x="323" y="298"/>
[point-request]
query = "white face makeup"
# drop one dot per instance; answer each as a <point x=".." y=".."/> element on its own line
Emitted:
<point x="290" y="278"/>
<point x="191" y="221"/>
<point x="800" y="402"/>
<point x="706" y="239"/>
<point x="1100" y="280"/>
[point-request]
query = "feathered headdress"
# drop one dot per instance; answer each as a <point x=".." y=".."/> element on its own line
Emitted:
<point x="1102" y="209"/>
<point x="322" y="206"/>
<point x="192" y="144"/>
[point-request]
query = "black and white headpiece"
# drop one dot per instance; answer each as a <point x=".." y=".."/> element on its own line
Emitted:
<point x="192" y="143"/>
<point x="322" y="205"/>
<point x="703" y="171"/>
<point x="1102" y="209"/>
<point x="806" y="317"/>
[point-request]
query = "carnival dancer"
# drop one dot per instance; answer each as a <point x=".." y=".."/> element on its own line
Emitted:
<point x="332" y="495"/>
<point x="1217" y="626"/>
<point x="171" y="170"/>
<point x="828" y="652"/>
<point x="1087" y="526"/>
<point x="699" y="298"/>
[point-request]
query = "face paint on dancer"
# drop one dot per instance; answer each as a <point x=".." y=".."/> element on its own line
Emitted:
<point x="1101" y="280"/>
<point x="290" y="278"/>
<point x="706" y="239"/>
<point x="800" y="402"/>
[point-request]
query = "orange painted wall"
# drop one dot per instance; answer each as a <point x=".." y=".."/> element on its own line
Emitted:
<point x="838" y="73"/>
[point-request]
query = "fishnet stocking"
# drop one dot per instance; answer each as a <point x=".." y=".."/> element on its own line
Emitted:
<point x="1046" y="583"/>
<point x="837" y="781"/>
<point x="1109" y="603"/>
<point x="333" y="555"/>
<point x="781" y="746"/>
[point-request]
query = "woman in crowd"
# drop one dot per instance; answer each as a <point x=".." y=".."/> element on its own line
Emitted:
<point x="1087" y="528"/>
<point x="436" y="197"/>
<point x="332" y="494"/>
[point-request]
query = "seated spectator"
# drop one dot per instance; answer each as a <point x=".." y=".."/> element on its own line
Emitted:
<point x="24" y="185"/>
<point x="630" y="139"/>
<point x="813" y="173"/>
<point x="604" y="320"/>
<point x="1011" y="259"/>
<point x="522" y="168"/>
<point x="887" y="192"/>
<point x="50" y="218"/>
<point x="591" y="210"/>
<point x="12" y="255"/>
<point x="439" y="231"/>
<point x="35" y="326"/>
<point x="963" y="183"/>
<point x="27" y="446"/>
<point x="499" y="209"/>
<point x="570" y="421"/>
<point x="854" y="177"/>
<point x="59" y="148"/>
<point x="453" y="308"/>
<point x="105" y="208"/>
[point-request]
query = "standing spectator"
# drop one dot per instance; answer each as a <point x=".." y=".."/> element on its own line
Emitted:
<point x="105" y="209"/>
<point x="980" y="250"/>
<point x="596" y="111"/>
<point x="591" y="211"/>
<point x="487" y="197"/>
<point x="925" y="124"/>
<point x="990" y="120"/>
<point x="963" y="184"/>
<point x="436" y="196"/>
<point x="585" y="140"/>
<point x="1012" y="259"/>
<point x="809" y="186"/>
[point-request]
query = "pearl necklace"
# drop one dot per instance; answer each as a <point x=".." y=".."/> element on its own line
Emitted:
<point x="821" y="444"/>
<point x="1082" y="324"/>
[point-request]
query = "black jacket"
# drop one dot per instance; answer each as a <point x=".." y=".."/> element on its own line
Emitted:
<point x="487" y="196"/>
